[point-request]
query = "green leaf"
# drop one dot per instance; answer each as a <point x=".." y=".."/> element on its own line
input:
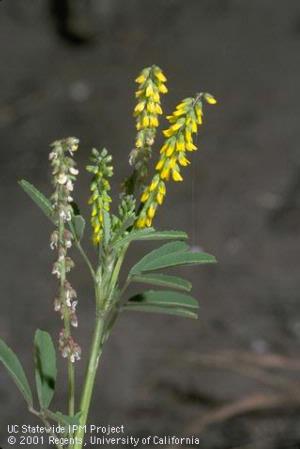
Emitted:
<point x="163" y="280"/>
<point x="183" y="312"/>
<point x="45" y="367"/>
<point x="40" y="200"/>
<point x="164" y="298"/>
<point x="169" y="249"/>
<point x="150" y="234"/>
<point x="158" y="259"/>
<point x="65" y="419"/>
<point x="15" y="369"/>
<point x="77" y="226"/>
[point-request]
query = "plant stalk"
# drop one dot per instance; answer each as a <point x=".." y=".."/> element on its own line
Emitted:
<point x="71" y="370"/>
<point x="96" y="350"/>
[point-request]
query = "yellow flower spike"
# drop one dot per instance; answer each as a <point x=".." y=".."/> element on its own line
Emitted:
<point x="184" y="123"/>
<point x="147" y="110"/>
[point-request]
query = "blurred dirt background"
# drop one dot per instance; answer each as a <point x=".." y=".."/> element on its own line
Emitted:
<point x="68" y="69"/>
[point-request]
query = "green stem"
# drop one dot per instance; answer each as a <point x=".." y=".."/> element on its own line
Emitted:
<point x="86" y="259"/>
<point x="96" y="346"/>
<point x="71" y="388"/>
<point x="96" y="350"/>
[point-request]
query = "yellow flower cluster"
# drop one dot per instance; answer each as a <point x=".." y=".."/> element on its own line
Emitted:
<point x="151" y="83"/>
<point x="184" y="123"/>
<point x="99" y="199"/>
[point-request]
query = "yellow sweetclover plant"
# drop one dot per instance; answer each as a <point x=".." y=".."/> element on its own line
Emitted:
<point x="112" y="235"/>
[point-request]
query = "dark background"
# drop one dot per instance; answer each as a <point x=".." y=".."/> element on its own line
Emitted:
<point x="71" y="73"/>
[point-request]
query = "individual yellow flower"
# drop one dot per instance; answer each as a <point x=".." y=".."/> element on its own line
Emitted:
<point x="184" y="123"/>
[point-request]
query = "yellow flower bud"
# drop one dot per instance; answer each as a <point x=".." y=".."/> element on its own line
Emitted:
<point x="140" y="79"/>
<point x="153" y="121"/>
<point x="160" y="164"/>
<point x="145" y="121"/>
<point x="154" y="183"/>
<point x="145" y="196"/>
<point x="162" y="88"/>
<point x="194" y="126"/>
<point x="141" y="222"/>
<point x="151" y="106"/>
<point x="168" y="132"/>
<point x="149" y="90"/>
<point x="210" y="99"/>
<point x="159" y="198"/>
<point x="190" y="146"/>
<point x="139" y="143"/>
<point x="158" y="109"/>
<point x="151" y="211"/>
<point x="140" y="106"/>
<point x="183" y="160"/>
<point x="170" y="149"/>
<point x="176" y="176"/>
<point x="162" y="188"/>
<point x="160" y="76"/>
